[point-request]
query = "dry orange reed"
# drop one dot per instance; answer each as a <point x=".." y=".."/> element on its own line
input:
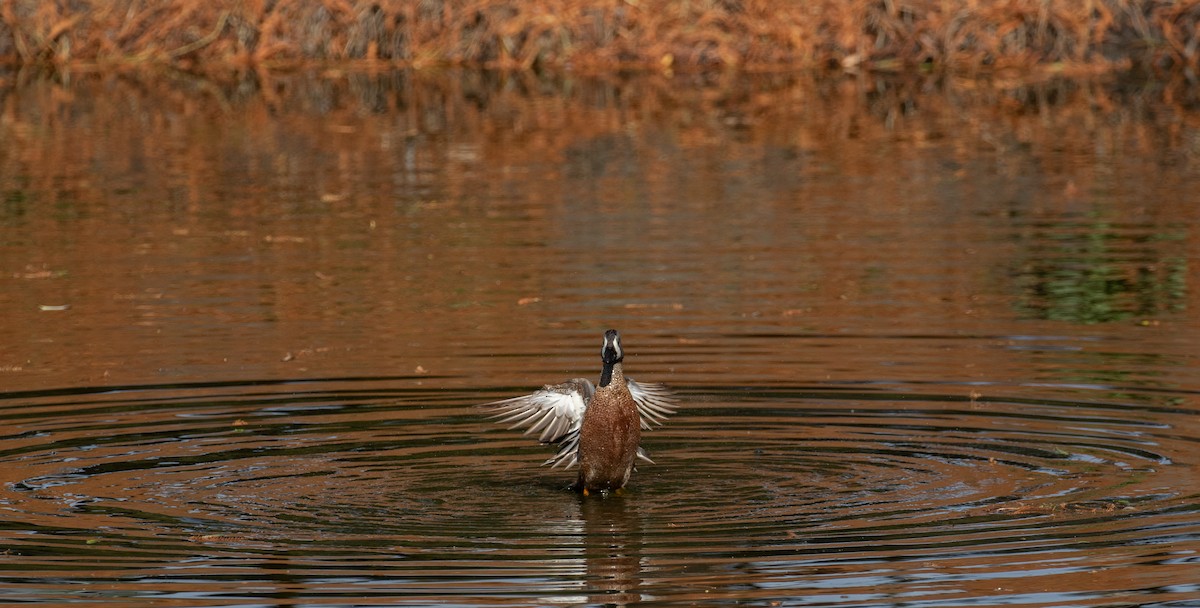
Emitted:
<point x="956" y="35"/>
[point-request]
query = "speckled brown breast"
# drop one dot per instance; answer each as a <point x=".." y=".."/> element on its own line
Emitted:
<point x="609" y="437"/>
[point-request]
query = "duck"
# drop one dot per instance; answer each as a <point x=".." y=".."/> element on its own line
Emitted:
<point x="597" y="427"/>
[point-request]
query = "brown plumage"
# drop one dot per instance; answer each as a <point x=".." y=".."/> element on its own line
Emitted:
<point x="609" y="438"/>
<point x="597" y="427"/>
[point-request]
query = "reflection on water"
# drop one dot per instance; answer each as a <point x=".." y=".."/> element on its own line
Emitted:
<point x="1098" y="272"/>
<point x="613" y="554"/>
<point x="380" y="223"/>
<point x="935" y="340"/>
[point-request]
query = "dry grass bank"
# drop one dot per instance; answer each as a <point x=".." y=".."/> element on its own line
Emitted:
<point x="959" y="36"/>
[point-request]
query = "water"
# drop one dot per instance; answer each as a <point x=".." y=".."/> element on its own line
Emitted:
<point x="934" y="344"/>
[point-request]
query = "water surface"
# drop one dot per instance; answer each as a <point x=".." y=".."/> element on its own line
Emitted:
<point x="934" y="342"/>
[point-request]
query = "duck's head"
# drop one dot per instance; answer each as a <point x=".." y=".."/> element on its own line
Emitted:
<point x="612" y="353"/>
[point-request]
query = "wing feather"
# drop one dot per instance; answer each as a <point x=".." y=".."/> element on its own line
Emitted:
<point x="568" y="450"/>
<point x="654" y="402"/>
<point x="553" y="412"/>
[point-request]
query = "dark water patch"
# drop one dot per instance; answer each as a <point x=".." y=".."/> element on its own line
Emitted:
<point x="377" y="489"/>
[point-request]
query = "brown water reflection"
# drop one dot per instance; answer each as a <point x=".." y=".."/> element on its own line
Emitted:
<point x="322" y="218"/>
<point x="935" y="339"/>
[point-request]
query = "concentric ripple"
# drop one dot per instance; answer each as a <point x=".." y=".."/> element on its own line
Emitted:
<point x="383" y="490"/>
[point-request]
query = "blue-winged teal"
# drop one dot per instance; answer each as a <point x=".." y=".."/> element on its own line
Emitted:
<point x="599" y="428"/>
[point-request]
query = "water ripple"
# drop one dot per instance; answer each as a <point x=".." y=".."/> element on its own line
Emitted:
<point x="379" y="488"/>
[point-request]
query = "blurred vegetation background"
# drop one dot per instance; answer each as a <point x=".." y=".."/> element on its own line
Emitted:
<point x="959" y="36"/>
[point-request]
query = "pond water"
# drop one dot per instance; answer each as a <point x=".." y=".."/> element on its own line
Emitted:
<point x="935" y="342"/>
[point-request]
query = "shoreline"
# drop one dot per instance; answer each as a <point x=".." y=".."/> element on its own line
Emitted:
<point x="921" y="36"/>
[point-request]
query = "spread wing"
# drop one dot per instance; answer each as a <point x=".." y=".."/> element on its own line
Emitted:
<point x="654" y="402"/>
<point x="555" y="412"/>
